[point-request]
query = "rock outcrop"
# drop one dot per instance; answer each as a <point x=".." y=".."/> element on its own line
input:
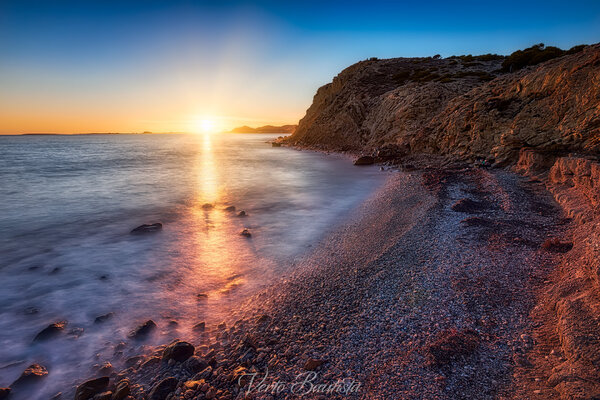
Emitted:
<point x="464" y="110"/>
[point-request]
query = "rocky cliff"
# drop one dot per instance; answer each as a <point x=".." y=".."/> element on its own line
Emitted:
<point x="461" y="107"/>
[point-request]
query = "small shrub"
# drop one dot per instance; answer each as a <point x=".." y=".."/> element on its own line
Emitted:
<point x="533" y="55"/>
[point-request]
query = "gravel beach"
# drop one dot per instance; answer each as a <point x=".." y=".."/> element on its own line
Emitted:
<point x="423" y="293"/>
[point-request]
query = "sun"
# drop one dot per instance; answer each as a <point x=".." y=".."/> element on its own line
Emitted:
<point x="205" y="125"/>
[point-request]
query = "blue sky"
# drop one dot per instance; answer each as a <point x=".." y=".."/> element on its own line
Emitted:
<point x="124" y="65"/>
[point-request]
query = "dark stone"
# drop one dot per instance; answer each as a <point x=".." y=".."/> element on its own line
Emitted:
<point x="467" y="206"/>
<point x="311" y="364"/>
<point x="122" y="390"/>
<point x="103" y="396"/>
<point x="246" y="232"/>
<point x="202" y="296"/>
<point x="103" y="318"/>
<point x="142" y="331"/>
<point x="207" y="206"/>
<point x="178" y="351"/>
<point x="147" y="228"/>
<point x="452" y="345"/>
<point x="364" y="160"/>
<point x="50" y="331"/>
<point x="162" y="389"/>
<point x="195" y="364"/>
<point x="242" y="214"/>
<point x="230" y="208"/>
<point x="275" y="144"/>
<point x="205" y="374"/>
<point x="89" y="389"/>
<point x="32" y="374"/>
<point x="4" y="392"/>
<point x="199" y="327"/>
<point x="556" y="246"/>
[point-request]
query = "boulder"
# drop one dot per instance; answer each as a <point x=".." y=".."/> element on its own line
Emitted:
<point x="147" y="228"/>
<point x="365" y="160"/>
<point x="229" y="208"/>
<point x="195" y="364"/>
<point x="142" y="331"/>
<point x="242" y="214"/>
<point x="162" y="389"/>
<point x="122" y="390"/>
<point x="90" y="388"/>
<point x="178" y="351"/>
<point x="246" y="232"/>
<point x="207" y="206"/>
<point x="103" y="318"/>
<point x="32" y="374"/>
<point x="50" y="331"/>
<point x="311" y="364"/>
<point x="4" y="392"/>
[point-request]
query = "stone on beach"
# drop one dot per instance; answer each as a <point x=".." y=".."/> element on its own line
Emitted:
<point x="91" y="388"/>
<point x="365" y="160"/>
<point x="312" y="363"/>
<point x="163" y="389"/>
<point x="199" y="327"/>
<point x="147" y="228"/>
<point x="452" y="344"/>
<point x="4" y="393"/>
<point x="178" y="351"/>
<point x="50" y="331"/>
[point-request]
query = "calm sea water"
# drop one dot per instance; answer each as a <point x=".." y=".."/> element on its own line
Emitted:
<point x="67" y="204"/>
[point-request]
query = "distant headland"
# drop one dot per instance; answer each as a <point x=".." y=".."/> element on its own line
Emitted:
<point x="265" y="129"/>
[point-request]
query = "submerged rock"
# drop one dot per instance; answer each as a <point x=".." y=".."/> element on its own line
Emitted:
<point x="4" y="392"/>
<point x="246" y="232"/>
<point x="103" y="318"/>
<point x="242" y="214"/>
<point x="364" y="160"/>
<point x="207" y="206"/>
<point x="199" y="327"/>
<point x="91" y="388"/>
<point x="162" y="389"/>
<point x="50" y="331"/>
<point x="142" y="331"/>
<point x="230" y="208"/>
<point x="178" y="351"/>
<point x="32" y="374"/>
<point x="147" y="228"/>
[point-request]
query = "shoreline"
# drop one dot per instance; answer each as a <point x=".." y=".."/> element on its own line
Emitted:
<point x="386" y="273"/>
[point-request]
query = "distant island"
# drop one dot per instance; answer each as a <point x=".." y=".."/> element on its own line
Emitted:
<point x="265" y="129"/>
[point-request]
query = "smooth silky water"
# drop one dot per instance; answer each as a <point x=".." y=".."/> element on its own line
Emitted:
<point x="68" y="203"/>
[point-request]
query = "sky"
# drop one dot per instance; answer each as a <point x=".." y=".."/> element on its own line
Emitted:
<point x="163" y="66"/>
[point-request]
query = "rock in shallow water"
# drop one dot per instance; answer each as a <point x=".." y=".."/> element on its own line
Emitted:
<point x="364" y="160"/>
<point x="246" y="232"/>
<point x="90" y="388"/>
<point x="147" y="228"/>
<point x="50" y="331"/>
<point x="142" y="331"/>
<point x="32" y="374"/>
<point x="4" y="392"/>
<point x="230" y="208"/>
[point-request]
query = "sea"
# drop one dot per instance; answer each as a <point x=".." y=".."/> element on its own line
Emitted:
<point x="69" y="202"/>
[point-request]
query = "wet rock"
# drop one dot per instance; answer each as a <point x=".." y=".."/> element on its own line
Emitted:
<point x="246" y="232"/>
<point x="207" y="206"/>
<point x="103" y="318"/>
<point x="555" y="245"/>
<point x="364" y="160"/>
<point x="204" y="374"/>
<point x="230" y="208"/>
<point x="31" y="310"/>
<point x="33" y="373"/>
<point x="199" y="327"/>
<point x="195" y="364"/>
<point x="178" y="351"/>
<point x="142" y="331"/>
<point x="162" y="389"/>
<point x="50" y="331"/>
<point x="147" y="228"/>
<point x="122" y="390"/>
<point x="242" y="214"/>
<point x="4" y="392"/>
<point x="275" y="144"/>
<point x="90" y="388"/>
<point x="452" y="345"/>
<point x="103" y="396"/>
<point x="202" y="296"/>
<point x="311" y="364"/>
